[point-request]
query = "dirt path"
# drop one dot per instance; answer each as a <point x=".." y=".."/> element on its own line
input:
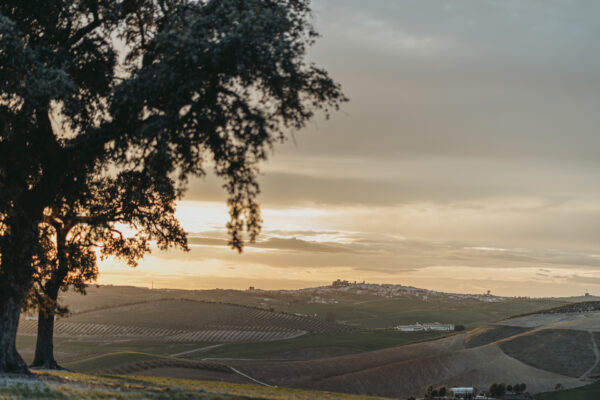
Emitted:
<point x="201" y="349"/>
<point x="596" y="352"/>
<point x="249" y="377"/>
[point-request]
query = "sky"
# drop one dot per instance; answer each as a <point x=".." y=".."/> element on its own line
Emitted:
<point x="466" y="160"/>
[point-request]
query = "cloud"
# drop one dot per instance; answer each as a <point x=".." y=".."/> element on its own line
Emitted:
<point x="384" y="254"/>
<point x="302" y="245"/>
<point x="273" y="243"/>
<point x="470" y="142"/>
<point x="587" y="280"/>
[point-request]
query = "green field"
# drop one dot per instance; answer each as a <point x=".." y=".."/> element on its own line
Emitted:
<point x="382" y="313"/>
<point x="94" y="357"/>
<point x="64" y="386"/>
<point x="357" y="341"/>
<point x="70" y="350"/>
<point x="589" y="392"/>
<point x="106" y="361"/>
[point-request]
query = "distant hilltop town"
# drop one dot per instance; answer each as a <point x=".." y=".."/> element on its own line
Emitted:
<point x="393" y="290"/>
<point x="340" y="291"/>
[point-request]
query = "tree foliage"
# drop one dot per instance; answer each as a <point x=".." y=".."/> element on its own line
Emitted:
<point x="497" y="389"/>
<point x="108" y="107"/>
<point x="98" y="220"/>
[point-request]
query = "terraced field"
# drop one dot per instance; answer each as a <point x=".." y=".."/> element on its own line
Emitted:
<point x="223" y="335"/>
<point x="181" y="320"/>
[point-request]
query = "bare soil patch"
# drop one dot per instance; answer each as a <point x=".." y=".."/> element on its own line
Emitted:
<point x="566" y="352"/>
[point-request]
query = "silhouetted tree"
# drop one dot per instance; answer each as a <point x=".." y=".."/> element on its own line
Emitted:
<point x="96" y="221"/>
<point x="492" y="389"/>
<point x="431" y="393"/>
<point x="428" y="392"/>
<point x="93" y="88"/>
<point x="442" y="391"/>
<point x="522" y="388"/>
<point x="497" y="389"/>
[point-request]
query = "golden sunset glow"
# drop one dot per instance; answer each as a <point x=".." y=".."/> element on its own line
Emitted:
<point x="465" y="161"/>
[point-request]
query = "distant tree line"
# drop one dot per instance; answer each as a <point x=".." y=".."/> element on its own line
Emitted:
<point x="500" y="389"/>
<point x="497" y="390"/>
<point x="432" y="393"/>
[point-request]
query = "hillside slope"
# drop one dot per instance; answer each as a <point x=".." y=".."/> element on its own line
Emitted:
<point x="181" y="320"/>
<point x="542" y="350"/>
<point x="407" y="370"/>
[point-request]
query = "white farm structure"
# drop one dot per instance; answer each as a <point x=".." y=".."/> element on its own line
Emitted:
<point x="426" y="327"/>
<point x="466" y="393"/>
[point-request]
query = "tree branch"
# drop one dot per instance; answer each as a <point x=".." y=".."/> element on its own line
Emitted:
<point x="81" y="33"/>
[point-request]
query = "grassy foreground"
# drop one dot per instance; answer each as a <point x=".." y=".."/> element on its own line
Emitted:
<point x="588" y="392"/>
<point x="65" y="385"/>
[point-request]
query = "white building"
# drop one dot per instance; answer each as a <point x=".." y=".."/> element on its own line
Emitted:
<point x="410" y="328"/>
<point x="426" y="327"/>
<point x="466" y="393"/>
<point x="436" y="326"/>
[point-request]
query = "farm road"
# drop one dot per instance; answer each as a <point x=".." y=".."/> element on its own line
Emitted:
<point x="596" y="352"/>
<point x="249" y="377"/>
<point x="201" y="349"/>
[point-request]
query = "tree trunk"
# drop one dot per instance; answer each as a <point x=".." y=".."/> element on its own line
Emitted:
<point x="44" y="349"/>
<point x="16" y="252"/>
<point x="10" y="311"/>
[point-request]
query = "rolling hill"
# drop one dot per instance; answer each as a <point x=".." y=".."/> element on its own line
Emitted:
<point x="541" y="350"/>
<point x="371" y="306"/>
<point x="236" y="343"/>
<point x="182" y="320"/>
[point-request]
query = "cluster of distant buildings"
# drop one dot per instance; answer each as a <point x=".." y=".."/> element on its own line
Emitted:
<point x="391" y="291"/>
<point x="426" y="327"/>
